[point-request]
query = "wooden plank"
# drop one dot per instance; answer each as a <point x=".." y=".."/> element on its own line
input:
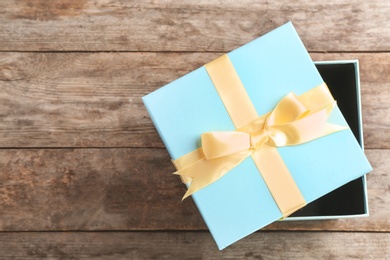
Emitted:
<point x="94" y="99"/>
<point x="164" y="25"/>
<point x="193" y="245"/>
<point x="132" y="189"/>
<point x="91" y="189"/>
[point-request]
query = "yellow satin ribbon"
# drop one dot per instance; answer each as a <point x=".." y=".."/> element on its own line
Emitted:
<point x="295" y="120"/>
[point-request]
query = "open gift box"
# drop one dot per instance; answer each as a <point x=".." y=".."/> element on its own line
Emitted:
<point x="350" y="200"/>
<point x="255" y="135"/>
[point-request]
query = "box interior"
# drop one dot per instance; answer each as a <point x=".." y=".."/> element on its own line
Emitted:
<point x="350" y="198"/>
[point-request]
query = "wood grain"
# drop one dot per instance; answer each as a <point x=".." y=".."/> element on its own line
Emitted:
<point x="94" y="99"/>
<point x="132" y="189"/>
<point x="164" y="25"/>
<point x="78" y="151"/>
<point x="193" y="245"/>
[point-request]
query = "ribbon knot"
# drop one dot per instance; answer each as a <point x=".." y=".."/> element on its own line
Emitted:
<point x="259" y="139"/>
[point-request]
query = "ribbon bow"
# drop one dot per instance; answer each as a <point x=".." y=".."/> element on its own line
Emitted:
<point x="290" y="123"/>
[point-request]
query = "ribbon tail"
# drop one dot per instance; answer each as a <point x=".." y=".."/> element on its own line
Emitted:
<point x="325" y="130"/>
<point x="332" y="128"/>
<point x="185" y="179"/>
<point x="204" y="172"/>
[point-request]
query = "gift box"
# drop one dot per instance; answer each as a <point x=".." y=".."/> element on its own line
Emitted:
<point x="350" y="200"/>
<point x="255" y="135"/>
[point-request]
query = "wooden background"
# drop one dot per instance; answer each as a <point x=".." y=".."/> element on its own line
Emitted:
<point x="83" y="173"/>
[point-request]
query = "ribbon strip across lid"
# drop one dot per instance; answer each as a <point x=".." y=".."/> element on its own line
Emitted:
<point x="294" y="120"/>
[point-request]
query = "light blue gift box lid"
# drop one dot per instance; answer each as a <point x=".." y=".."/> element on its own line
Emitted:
<point x="269" y="67"/>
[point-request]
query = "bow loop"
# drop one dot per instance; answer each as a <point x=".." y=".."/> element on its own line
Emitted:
<point x="219" y="144"/>
<point x="289" y="109"/>
<point x="259" y="139"/>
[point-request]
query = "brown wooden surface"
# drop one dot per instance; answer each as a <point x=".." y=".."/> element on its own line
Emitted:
<point x="83" y="172"/>
<point x="131" y="189"/>
<point x="159" y="245"/>
<point x="168" y="25"/>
